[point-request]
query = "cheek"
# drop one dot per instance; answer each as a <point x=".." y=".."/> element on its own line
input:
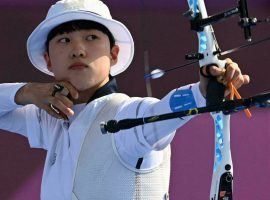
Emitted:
<point x="58" y="56"/>
<point x="102" y="63"/>
<point x="57" y="62"/>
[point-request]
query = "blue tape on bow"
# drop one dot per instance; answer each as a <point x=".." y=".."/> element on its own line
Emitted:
<point x="193" y="4"/>
<point x="219" y="143"/>
<point x="203" y="42"/>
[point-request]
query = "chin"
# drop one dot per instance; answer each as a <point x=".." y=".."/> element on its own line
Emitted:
<point x="81" y="86"/>
<point x="86" y="84"/>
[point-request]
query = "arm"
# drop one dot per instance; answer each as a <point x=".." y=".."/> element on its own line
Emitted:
<point x="156" y="136"/>
<point x="141" y="140"/>
<point x="24" y="120"/>
<point x="19" y="114"/>
<point x="12" y="115"/>
<point x="23" y="109"/>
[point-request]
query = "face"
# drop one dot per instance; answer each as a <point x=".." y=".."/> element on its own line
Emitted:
<point x="82" y="57"/>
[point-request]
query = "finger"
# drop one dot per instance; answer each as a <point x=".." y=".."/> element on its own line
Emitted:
<point x="242" y="80"/>
<point x="217" y="71"/>
<point x="228" y="61"/>
<point x="58" y="112"/>
<point x="72" y="90"/>
<point x="65" y="100"/>
<point x="238" y="82"/>
<point x="234" y="76"/>
<point x="227" y="92"/>
<point x="61" y="107"/>
<point x="52" y="112"/>
<point x="229" y="66"/>
<point x="232" y="72"/>
<point x="212" y="71"/>
<point x="246" y="79"/>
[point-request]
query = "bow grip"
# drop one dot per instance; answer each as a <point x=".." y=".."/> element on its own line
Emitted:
<point x="215" y="90"/>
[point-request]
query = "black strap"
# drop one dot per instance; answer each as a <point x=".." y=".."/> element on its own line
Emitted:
<point x="139" y="163"/>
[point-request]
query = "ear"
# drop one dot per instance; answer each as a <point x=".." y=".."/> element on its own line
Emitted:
<point x="114" y="54"/>
<point x="48" y="61"/>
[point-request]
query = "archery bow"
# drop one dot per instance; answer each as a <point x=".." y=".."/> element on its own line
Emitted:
<point x="209" y="51"/>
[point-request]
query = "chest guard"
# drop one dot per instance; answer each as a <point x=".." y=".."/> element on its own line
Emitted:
<point x="101" y="175"/>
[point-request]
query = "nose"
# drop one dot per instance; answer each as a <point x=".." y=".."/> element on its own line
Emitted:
<point x="78" y="52"/>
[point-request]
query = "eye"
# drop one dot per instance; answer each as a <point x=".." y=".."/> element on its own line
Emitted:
<point x="64" y="40"/>
<point x="91" y="37"/>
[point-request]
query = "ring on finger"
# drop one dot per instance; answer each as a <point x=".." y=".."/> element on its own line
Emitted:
<point x="54" y="109"/>
<point x="60" y="88"/>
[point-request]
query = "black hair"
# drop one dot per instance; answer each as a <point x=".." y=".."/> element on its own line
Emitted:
<point x="75" y="25"/>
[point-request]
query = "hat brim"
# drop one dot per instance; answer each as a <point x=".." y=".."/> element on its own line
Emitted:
<point x="36" y="41"/>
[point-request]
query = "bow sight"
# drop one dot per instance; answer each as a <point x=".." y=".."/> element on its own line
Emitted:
<point x="245" y="22"/>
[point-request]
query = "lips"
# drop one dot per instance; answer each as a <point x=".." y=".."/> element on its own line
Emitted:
<point x="78" y="66"/>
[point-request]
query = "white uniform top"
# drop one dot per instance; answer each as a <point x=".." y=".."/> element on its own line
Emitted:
<point x="47" y="132"/>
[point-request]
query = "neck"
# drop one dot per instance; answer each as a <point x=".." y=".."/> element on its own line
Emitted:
<point x="85" y="95"/>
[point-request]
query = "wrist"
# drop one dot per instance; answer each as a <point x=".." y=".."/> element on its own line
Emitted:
<point x="22" y="96"/>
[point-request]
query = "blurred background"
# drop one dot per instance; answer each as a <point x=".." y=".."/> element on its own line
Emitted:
<point x="159" y="29"/>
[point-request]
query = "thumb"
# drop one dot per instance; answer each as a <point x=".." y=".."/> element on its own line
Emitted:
<point x="217" y="71"/>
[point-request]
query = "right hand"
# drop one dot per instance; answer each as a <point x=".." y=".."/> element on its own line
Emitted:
<point x="40" y="94"/>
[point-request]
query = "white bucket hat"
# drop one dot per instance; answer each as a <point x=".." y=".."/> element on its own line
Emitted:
<point x="69" y="10"/>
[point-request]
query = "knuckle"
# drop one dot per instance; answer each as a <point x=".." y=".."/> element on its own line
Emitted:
<point x="54" y="101"/>
<point x="65" y="84"/>
<point x="241" y="78"/>
<point x="246" y="79"/>
<point x="57" y="95"/>
<point x="241" y="81"/>
<point x="68" y="89"/>
<point x="228" y="60"/>
<point x="69" y="103"/>
<point x="64" y="100"/>
<point x="228" y="68"/>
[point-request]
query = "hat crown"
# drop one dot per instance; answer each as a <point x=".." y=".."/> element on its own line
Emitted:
<point x="94" y="6"/>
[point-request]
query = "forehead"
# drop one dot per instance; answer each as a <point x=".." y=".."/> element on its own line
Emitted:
<point x="82" y="31"/>
<point x="77" y="25"/>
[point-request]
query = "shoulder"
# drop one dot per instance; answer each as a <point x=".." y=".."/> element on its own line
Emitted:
<point x="134" y="103"/>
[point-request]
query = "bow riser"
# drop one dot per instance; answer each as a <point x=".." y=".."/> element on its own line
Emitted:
<point x="208" y="54"/>
<point x="207" y="41"/>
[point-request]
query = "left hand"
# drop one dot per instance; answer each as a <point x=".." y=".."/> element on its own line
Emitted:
<point x="232" y="73"/>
